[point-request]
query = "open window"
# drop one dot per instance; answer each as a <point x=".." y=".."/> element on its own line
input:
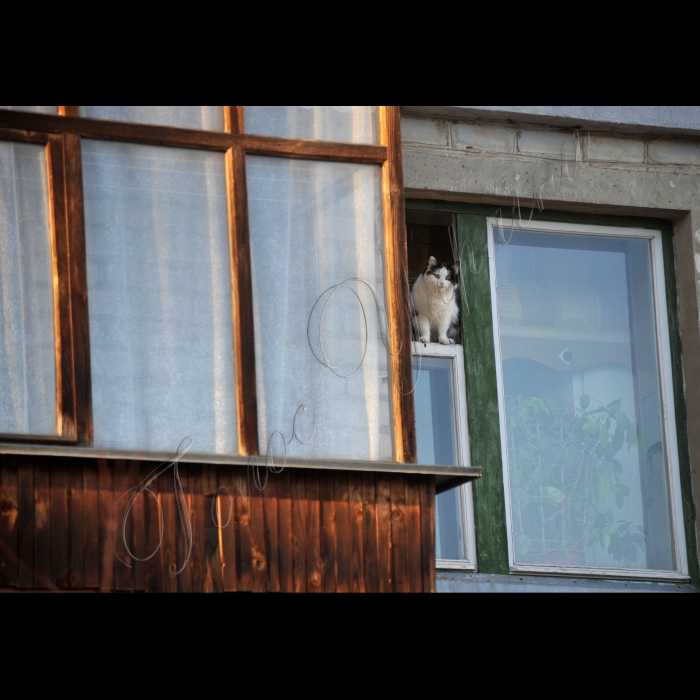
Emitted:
<point x="441" y="401"/>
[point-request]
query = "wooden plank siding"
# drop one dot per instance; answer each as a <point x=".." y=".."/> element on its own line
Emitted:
<point x="308" y="530"/>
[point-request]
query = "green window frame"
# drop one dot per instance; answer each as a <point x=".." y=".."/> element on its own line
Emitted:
<point x="480" y="369"/>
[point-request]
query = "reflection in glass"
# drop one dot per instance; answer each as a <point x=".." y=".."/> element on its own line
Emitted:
<point x="349" y="124"/>
<point x="436" y="434"/>
<point x="585" y="445"/>
<point x="209" y="118"/>
<point x="27" y="351"/>
<point x="159" y="291"/>
<point x="314" y="225"/>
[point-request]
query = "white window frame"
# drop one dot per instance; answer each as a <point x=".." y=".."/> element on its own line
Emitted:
<point x="456" y="354"/>
<point x="667" y="403"/>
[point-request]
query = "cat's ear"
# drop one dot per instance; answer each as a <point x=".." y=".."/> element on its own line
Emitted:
<point x="432" y="261"/>
<point x="455" y="266"/>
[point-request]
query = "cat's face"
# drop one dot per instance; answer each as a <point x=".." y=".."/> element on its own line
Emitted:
<point x="442" y="275"/>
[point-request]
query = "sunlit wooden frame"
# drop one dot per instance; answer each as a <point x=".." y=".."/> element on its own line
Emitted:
<point x="63" y="133"/>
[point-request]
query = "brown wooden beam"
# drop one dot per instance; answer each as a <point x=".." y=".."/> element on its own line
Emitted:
<point x="233" y="120"/>
<point x="242" y="297"/>
<point x="397" y="292"/>
<point x="65" y="381"/>
<point x="194" y="138"/>
<point x="78" y="287"/>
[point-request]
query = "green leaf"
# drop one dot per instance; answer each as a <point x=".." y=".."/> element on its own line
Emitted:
<point x="622" y="489"/>
<point x="524" y="543"/>
<point x="654" y="450"/>
<point x="523" y="455"/>
<point x="603" y="435"/>
<point x="554" y="495"/>
<point x="649" y="503"/>
<point x="585" y="401"/>
<point x="619" y="500"/>
<point x="618" y="439"/>
<point x="614" y="406"/>
<point x="617" y="467"/>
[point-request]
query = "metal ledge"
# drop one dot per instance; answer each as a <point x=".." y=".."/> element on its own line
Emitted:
<point x="466" y="582"/>
<point x="447" y="477"/>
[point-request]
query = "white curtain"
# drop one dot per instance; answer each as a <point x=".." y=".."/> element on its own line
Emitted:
<point x="314" y="225"/>
<point x="211" y="118"/>
<point x="351" y="124"/>
<point x="27" y="350"/>
<point x="159" y="283"/>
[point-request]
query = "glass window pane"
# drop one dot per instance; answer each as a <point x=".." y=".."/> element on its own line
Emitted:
<point x="27" y="351"/>
<point x="159" y="290"/>
<point x="350" y="124"/>
<point x="39" y="110"/>
<point x="210" y="118"/>
<point x="314" y="225"/>
<point x="437" y="444"/>
<point x="586" y="454"/>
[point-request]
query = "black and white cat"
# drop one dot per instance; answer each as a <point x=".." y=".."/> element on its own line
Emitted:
<point x="435" y="300"/>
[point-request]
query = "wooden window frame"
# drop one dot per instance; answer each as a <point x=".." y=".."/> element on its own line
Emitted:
<point x="63" y="134"/>
<point x="66" y="422"/>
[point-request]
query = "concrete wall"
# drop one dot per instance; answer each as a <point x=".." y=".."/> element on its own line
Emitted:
<point x="682" y="120"/>
<point x="633" y="169"/>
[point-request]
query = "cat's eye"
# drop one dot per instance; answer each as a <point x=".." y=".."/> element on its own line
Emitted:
<point x="437" y="274"/>
<point x="449" y="277"/>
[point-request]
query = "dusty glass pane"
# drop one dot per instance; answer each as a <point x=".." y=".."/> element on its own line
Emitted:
<point x="210" y="118"/>
<point x="315" y="225"/>
<point x="27" y="350"/>
<point x="586" y="453"/>
<point x="159" y="291"/>
<point x="350" y="124"/>
<point x="437" y="444"/>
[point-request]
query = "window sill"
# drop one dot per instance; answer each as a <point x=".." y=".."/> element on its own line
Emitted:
<point x="447" y="477"/>
<point x="467" y="582"/>
<point x="454" y="565"/>
<point x="593" y="572"/>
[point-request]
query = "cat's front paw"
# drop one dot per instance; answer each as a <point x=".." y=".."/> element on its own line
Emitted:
<point x="424" y="339"/>
<point x="445" y="340"/>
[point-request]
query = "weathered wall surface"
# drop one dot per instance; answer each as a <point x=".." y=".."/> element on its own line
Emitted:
<point x="631" y="169"/>
<point x="684" y="119"/>
<point x="308" y="530"/>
